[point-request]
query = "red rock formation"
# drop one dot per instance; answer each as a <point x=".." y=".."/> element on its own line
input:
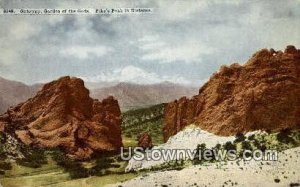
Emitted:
<point x="145" y="141"/>
<point x="63" y="115"/>
<point x="262" y="94"/>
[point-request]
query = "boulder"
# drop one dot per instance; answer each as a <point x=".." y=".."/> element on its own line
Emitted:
<point x="145" y="141"/>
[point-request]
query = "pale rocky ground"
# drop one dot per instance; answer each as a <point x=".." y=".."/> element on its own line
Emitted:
<point x="251" y="173"/>
<point x="189" y="138"/>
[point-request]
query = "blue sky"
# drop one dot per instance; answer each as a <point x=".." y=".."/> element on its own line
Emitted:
<point x="181" y="41"/>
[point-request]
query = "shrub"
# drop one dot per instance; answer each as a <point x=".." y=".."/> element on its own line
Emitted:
<point x="33" y="157"/>
<point x="252" y="137"/>
<point x="200" y="149"/>
<point x="229" y="146"/>
<point x="284" y="136"/>
<point x="239" y="137"/>
<point x="5" y="165"/>
<point x="71" y="166"/>
<point x="218" y="146"/>
<point x="77" y="170"/>
<point x="246" y="145"/>
<point x="2" y="138"/>
<point x="277" y="180"/>
<point x="2" y="172"/>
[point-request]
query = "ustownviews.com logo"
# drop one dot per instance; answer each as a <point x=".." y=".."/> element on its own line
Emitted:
<point x="140" y="154"/>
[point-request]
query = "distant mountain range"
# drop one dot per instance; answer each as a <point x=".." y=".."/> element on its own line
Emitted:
<point x="13" y="92"/>
<point x="129" y="95"/>
<point x="132" y="96"/>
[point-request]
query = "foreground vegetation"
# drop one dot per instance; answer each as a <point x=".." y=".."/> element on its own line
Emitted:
<point x="55" y="175"/>
<point x="40" y="167"/>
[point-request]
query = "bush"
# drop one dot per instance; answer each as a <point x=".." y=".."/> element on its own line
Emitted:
<point x="252" y="137"/>
<point x="246" y="145"/>
<point x="284" y="136"/>
<point x="33" y="157"/>
<point x="2" y="138"/>
<point x="2" y="172"/>
<point x="2" y="151"/>
<point x="5" y="165"/>
<point x="76" y="169"/>
<point x="239" y="137"/>
<point x="229" y="146"/>
<point x="218" y="146"/>
<point x="200" y="149"/>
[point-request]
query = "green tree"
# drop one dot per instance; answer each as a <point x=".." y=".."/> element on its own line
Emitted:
<point x="284" y="136"/>
<point x="229" y="146"/>
<point x="199" y="153"/>
<point x="239" y="137"/>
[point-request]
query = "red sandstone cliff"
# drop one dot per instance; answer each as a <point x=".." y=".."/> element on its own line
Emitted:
<point x="262" y="94"/>
<point x="63" y="115"/>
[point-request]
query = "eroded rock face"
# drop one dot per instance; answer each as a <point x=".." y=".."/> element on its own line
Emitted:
<point x="263" y="94"/>
<point x="63" y="115"/>
<point x="145" y="141"/>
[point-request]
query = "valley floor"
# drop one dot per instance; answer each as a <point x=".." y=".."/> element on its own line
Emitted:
<point x="53" y="175"/>
<point x="284" y="172"/>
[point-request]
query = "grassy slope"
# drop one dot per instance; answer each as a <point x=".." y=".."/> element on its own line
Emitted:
<point x="26" y="176"/>
<point x="136" y="122"/>
<point x="52" y="174"/>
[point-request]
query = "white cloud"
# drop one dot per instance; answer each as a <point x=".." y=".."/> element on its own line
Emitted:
<point x="152" y="45"/>
<point x="149" y="38"/>
<point x="8" y="56"/>
<point x="24" y="29"/>
<point x="12" y="38"/>
<point x="20" y="31"/>
<point x="175" y="10"/>
<point x="53" y="20"/>
<point x="186" y="53"/>
<point x="135" y="75"/>
<point x="84" y="52"/>
<point x="158" y="50"/>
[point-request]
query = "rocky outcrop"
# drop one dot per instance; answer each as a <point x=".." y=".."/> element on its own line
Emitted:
<point x="145" y="141"/>
<point x="63" y="115"/>
<point x="263" y="94"/>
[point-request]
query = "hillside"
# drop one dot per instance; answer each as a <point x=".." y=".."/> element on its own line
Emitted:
<point x="263" y="94"/>
<point x="136" y="122"/>
<point x="13" y="92"/>
<point x="133" y="96"/>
